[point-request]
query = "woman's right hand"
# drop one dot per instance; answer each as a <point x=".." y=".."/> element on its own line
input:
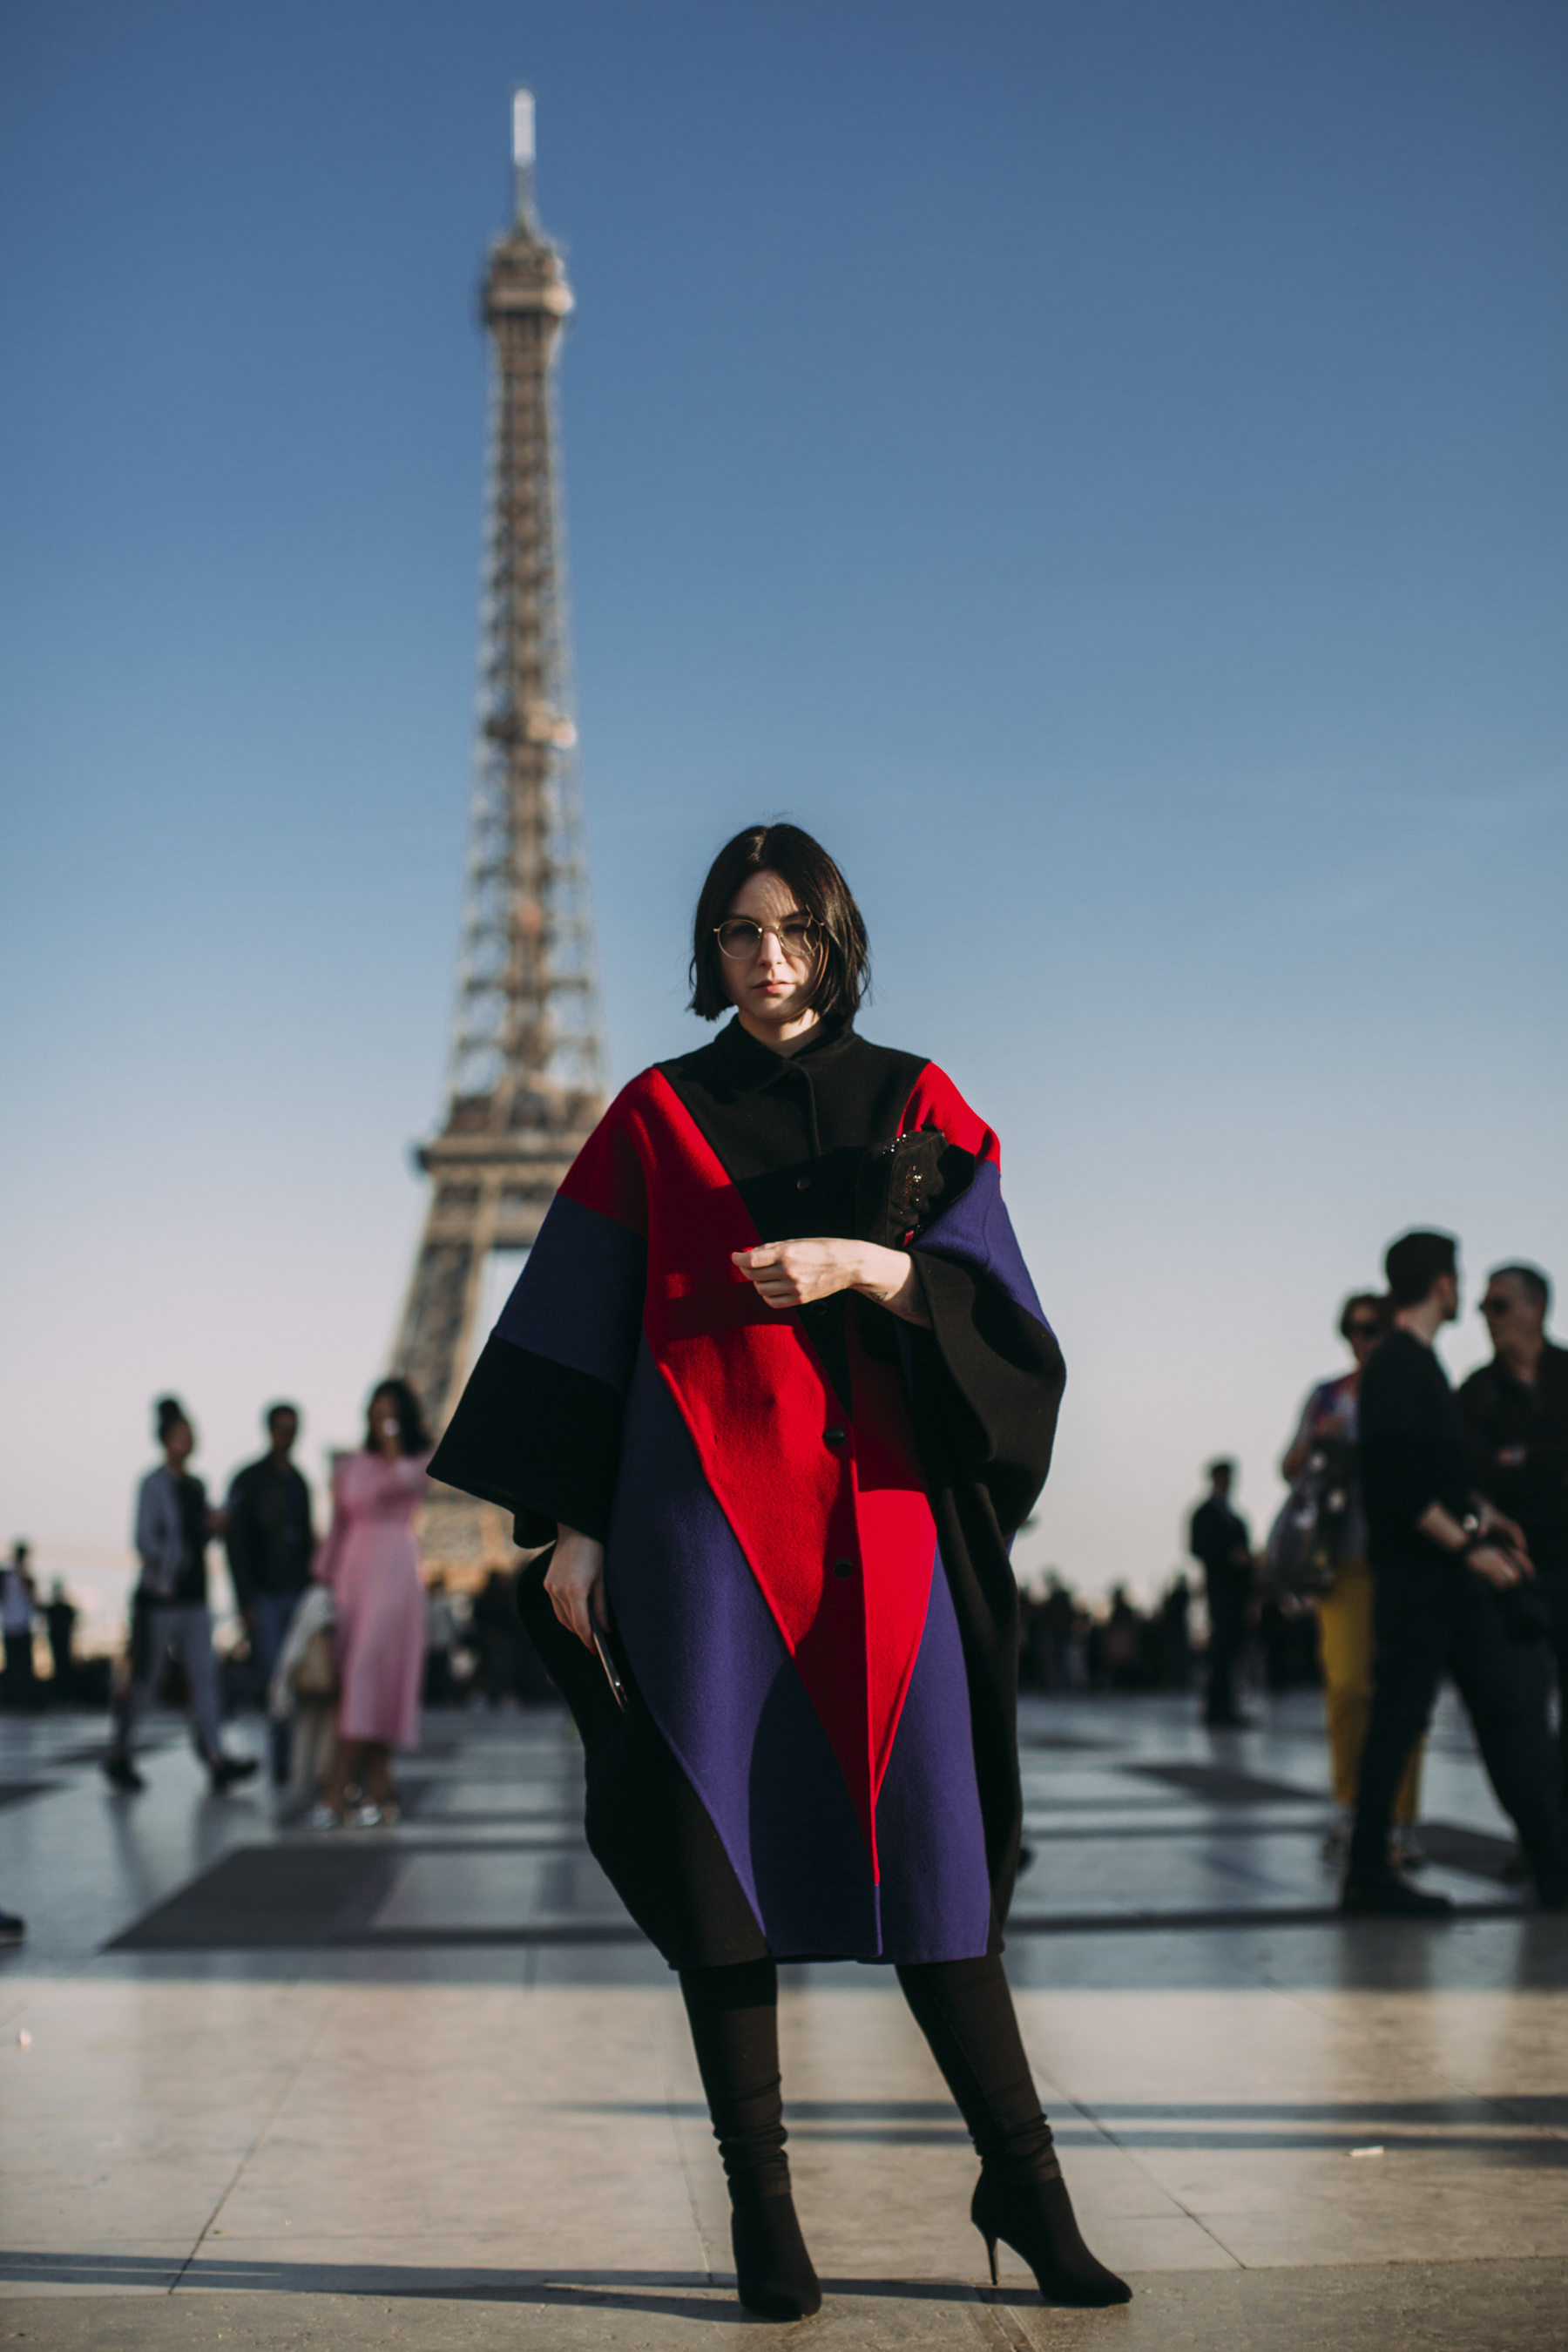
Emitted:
<point x="575" y="1583"/>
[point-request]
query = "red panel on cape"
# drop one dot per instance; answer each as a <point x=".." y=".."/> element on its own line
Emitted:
<point x="758" y="1403"/>
<point x="936" y="1102"/>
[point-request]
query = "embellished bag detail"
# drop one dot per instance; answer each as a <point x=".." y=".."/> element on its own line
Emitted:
<point x="898" y="1186"/>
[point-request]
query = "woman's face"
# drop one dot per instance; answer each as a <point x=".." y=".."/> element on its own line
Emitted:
<point x="1363" y="1333"/>
<point x="384" y="1420"/>
<point x="769" y="989"/>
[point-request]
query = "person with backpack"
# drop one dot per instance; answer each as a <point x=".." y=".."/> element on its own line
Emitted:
<point x="1320" y="1469"/>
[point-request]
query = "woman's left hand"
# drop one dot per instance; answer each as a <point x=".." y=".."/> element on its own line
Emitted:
<point x="796" y="1274"/>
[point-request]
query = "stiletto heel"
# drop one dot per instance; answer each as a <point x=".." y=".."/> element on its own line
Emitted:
<point x="1035" y="2217"/>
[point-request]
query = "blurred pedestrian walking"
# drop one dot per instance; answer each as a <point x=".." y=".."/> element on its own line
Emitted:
<point x="1448" y="1567"/>
<point x="1515" y="1416"/>
<point x="1323" y="1472"/>
<point x="168" y="1611"/>
<point x="441" y="1633"/>
<point x="19" y="1605"/>
<point x="371" y="1559"/>
<point x="1175" y="1636"/>
<point x="303" y="1696"/>
<point x="60" y="1616"/>
<point x="1219" y="1538"/>
<point x="271" y="1543"/>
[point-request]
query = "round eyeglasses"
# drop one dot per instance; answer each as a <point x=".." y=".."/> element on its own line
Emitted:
<point x="741" y="939"/>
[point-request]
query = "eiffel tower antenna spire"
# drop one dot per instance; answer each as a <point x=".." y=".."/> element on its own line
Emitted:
<point x="527" y="1068"/>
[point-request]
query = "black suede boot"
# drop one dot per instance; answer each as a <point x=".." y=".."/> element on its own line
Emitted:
<point x="734" y="2030"/>
<point x="773" y="2274"/>
<point x="966" y="2011"/>
<point x="1036" y="2220"/>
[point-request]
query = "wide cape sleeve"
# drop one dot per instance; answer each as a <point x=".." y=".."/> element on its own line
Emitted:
<point x="987" y="1385"/>
<point x="538" y="1428"/>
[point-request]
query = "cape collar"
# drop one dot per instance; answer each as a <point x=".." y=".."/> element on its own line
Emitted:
<point x="746" y="1065"/>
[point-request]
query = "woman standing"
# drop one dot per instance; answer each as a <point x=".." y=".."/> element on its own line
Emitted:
<point x="776" y="1386"/>
<point x="1345" y="1610"/>
<point x="372" y="1562"/>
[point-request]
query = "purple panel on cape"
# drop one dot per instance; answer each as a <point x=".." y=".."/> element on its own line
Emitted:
<point x="711" y="1662"/>
<point x="936" y="1892"/>
<point x="977" y="1231"/>
<point x="579" y="1298"/>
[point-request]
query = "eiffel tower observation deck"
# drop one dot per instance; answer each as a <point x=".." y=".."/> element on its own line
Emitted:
<point x="527" y="1071"/>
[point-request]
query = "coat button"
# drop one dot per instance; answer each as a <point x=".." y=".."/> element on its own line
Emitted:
<point x="803" y="1183"/>
<point x="833" y="1436"/>
<point x="843" y="1568"/>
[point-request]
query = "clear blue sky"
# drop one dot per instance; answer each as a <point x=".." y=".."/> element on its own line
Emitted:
<point x="1101" y="465"/>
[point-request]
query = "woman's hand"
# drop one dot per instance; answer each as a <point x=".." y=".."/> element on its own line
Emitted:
<point x="796" y="1274"/>
<point x="575" y="1583"/>
<point x="1499" y="1566"/>
<point x="1496" y="1523"/>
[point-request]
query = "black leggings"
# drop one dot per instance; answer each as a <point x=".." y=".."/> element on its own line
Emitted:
<point x="962" y="2007"/>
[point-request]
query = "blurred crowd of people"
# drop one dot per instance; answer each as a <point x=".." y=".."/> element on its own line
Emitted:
<point x="71" y="1681"/>
<point x="1425" y="1533"/>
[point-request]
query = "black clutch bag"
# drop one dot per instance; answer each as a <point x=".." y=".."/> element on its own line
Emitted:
<point x="898" y="1186"/>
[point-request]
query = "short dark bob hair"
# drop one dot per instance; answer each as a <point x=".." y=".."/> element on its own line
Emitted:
<point x="1360" y="1302"/>
<point x="1415" y="1263"/>
<point x="782" y="849"/>
<point x="413" y="1435"/>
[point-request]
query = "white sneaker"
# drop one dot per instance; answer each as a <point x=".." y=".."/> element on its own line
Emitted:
<point x="323" y="1817"/>
<point x="367" y="1817"/>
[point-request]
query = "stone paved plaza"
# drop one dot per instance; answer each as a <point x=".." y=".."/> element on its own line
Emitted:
<point x="427" y="2085"/>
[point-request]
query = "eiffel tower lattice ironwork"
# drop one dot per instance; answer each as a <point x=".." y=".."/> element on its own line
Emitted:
<point x="527" y="1079"/>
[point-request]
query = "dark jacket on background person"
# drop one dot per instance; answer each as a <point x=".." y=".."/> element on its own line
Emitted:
<point x="1217" y="1533"/>
<point x="1516" y="1443"/>
<point x="1412" y="1450"/>
<point x="270" y="1537"/>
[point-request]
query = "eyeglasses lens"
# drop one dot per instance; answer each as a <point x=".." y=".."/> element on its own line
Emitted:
<point x="740" y="938"/>
<point x="1495" y="1305"/>
<point x="1363" y="1330"/>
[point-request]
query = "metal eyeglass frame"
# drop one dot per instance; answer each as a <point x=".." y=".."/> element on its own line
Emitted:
<point x="814" y="931"/>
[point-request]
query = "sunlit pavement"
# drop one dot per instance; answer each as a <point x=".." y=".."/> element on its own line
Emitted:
<point x="428" y="2084"/>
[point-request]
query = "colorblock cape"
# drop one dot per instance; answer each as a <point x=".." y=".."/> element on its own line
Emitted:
<point x="806" y="1516"/>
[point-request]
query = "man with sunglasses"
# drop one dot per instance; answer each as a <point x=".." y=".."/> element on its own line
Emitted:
<point x="1444" y="1561"/>
<point x="1515" y="1416"/>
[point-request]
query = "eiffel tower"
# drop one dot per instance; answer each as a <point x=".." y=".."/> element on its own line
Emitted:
<point x="527" y="1075"/>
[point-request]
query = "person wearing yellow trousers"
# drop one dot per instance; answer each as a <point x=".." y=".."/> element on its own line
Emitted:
<point x="1344" y="1612"/>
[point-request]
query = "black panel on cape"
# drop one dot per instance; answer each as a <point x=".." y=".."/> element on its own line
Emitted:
<point x="647" y="1827"/>
<point x="539" y="1439"/>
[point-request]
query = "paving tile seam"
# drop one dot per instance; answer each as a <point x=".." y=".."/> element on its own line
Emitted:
<point x="1330" y="2009"/>
<point x="1159" y="2187"/>
<point x="264" y="2130"/>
